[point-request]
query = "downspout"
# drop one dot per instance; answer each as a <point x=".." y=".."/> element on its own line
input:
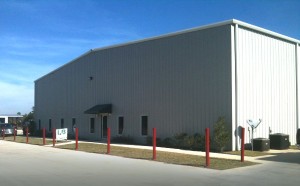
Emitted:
<point x="297" y="86"/>
<point x="236" y="85"/>
<point x="234" y="125"/>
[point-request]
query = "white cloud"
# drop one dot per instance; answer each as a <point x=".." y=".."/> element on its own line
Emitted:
<point x="23" y="71"/>
<point x="48" y="37"/>
<point x="17" y="84"/>
<point x="15" y="98"/>
<point x="56" y="47"/>
<point x="23" y="60"/>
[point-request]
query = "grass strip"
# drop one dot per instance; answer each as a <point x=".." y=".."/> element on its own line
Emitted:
<point x="31" y="140"/>
<point x="166" y="157"/>
<point x="295" y="147"/>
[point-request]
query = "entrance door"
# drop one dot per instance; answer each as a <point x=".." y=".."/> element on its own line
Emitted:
<point x="104" y="126"/>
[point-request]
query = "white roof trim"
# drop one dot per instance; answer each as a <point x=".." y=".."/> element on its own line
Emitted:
<point x="228" y="22"/>
<point x="262" y="30"/>
<point x="11" y="116"/>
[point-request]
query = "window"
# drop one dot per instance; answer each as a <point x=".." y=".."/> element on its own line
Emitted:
<point x="104" y="127"/>
<point x="74" y="125"/>
<point x="50" y="125"/>
<point x="62" y="123"/>
<point x="92" y="125"/>
<point x="144" y="125"/>
<point x="121" y="124"/>
<point x="73" y="122"/>
<point x="39" y="124"/>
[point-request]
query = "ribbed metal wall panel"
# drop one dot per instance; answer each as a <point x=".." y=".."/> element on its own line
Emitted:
<point x="298" y="83"/>
<point x="266" y="83"/>
<point x="181" y="82"/>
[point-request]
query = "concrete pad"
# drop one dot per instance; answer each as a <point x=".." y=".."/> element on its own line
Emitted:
<point x="274" y="151"/>
<point x="28" y="165"/>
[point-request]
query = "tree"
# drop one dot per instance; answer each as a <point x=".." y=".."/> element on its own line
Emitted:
<point x="221" y="134"/>
<point x="28" y="119"/>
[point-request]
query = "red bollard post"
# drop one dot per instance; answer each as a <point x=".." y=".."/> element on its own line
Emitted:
<point x="26" y="134"/>
<point x="207" y="147"/>
<point x="44" y="136"/>
<point x="76" y="138"/>
<point x="154" y="143"/>
<point x="108" y="140"/>
<point x="243" y="145"/>
<point x="15" y="133"/>
<point x="54" y="136"/>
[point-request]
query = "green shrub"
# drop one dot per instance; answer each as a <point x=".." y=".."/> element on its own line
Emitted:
<point x="123" y="140"/>
<point x="199" y="142"/>
<point x="181" y="140"/>
<point x="169" y="142"/>
<point x="180" y="136"/>
<point x="184" y="141"/>
<point x="188" y="142"/>
<point x="221" y="134"/>
<point x="149" y="141"/>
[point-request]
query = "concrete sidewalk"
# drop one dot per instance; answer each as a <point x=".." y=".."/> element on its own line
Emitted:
<point x="198" y="153"/>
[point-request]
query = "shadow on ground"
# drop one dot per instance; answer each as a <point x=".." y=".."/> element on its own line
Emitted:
<point x="290" y="157"/>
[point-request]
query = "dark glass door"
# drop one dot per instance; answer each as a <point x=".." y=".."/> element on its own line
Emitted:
<point x="104" y="127"/>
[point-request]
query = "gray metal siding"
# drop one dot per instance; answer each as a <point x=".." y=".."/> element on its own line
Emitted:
<point x="266" y="83"/>
<point x="181" y="82"/>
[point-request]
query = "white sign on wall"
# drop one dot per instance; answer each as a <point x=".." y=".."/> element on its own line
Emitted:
<point x="62" y="134"/>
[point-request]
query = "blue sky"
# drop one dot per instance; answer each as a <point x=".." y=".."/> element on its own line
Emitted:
<point x="38" y="36"/>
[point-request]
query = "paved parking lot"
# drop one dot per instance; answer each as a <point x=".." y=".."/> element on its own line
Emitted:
<point x="30" y="165"/>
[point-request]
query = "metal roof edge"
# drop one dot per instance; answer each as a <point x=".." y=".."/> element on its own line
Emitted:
<point x="143" y="40"/>
<point x="84" y="54"/>
<point x="222" y="23"/>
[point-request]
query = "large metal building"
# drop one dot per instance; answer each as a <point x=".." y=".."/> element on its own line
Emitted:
<point x="179" y="82"/>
